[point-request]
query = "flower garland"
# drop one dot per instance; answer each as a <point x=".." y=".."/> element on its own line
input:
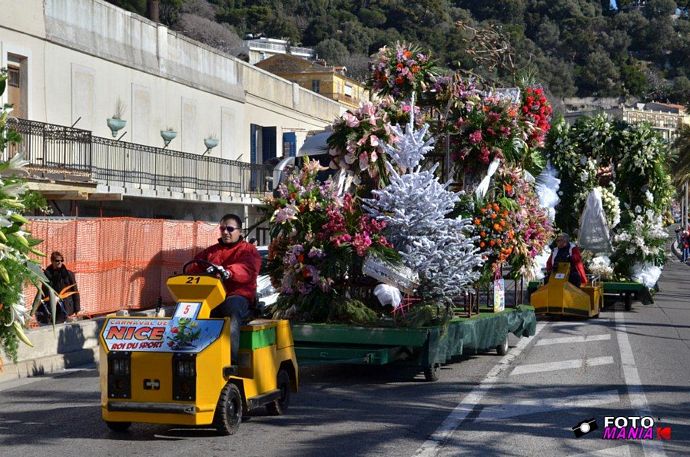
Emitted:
<point x="401" y="71"/>
<point x="642" y="241"/>
<point x="611" y="203"/>
<point x="356" y="144"/>
<point x="601" y="265"/>
<point x="531" y="222"/>
<point x="495" y="234"/>
<point x="482" y="129"/>
<point x="536" y="110"/>
<point x="319" y="241"/>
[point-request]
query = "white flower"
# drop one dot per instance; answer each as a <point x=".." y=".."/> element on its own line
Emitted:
<point x="649" y="196"/>
<point x="638" y="209"/>
<point x="584" y="176"/>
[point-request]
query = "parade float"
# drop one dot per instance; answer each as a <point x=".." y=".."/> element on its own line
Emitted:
<point x="615" y="192"/>
<point x="432" y="198"/>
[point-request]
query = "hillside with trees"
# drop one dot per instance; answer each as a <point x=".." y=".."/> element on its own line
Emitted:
<point x="574" y="47"/>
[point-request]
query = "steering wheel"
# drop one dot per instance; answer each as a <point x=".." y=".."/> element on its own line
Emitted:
<point x="204" y="264"/>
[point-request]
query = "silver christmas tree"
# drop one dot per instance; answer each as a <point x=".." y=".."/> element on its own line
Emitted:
<point x="414" y="207"/>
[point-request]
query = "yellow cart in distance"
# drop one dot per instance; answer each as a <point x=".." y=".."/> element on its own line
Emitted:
<point x="560" y="297"/>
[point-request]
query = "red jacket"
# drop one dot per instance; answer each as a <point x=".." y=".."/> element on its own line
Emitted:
<point x="575" y="261"/>
<point x="243" y="262"/>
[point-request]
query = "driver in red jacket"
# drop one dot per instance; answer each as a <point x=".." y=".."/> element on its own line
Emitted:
<point x="242" y="263"/>
<point x="565" y="251"/>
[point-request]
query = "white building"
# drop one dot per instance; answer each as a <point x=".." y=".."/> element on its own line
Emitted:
<point x="72" y="61"/>
<point x="262" y="48"/>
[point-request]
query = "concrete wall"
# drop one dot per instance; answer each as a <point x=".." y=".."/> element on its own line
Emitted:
<point x="67" y="346"/>
<point x="84" y="55"/>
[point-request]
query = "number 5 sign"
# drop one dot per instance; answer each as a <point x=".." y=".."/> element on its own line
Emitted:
<point x="187" y="310"/>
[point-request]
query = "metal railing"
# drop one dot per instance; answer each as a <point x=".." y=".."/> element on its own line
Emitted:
<point x="54" y="148"/>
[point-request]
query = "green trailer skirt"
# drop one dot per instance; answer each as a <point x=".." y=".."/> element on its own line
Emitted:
<point x="425" y="347"/>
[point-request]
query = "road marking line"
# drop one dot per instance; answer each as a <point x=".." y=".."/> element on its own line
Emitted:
<point x="462" y="410"/>
<point x="561" y="365"/>
<point x="638" y="399"/>
<point x="573" y="339"/>
<point x="544" y="405"/>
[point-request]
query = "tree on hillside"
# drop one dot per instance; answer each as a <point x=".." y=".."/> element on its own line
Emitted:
<point x="333" y="51"/>
<point x="642" y="45"/>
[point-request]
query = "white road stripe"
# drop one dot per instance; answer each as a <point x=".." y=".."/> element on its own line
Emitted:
<point x="542" y="405"/>
<point x="573" y="339"/>
<point x="561" y="365"/>
<point x="462" y="410"/>
<point x="638" y="400"/>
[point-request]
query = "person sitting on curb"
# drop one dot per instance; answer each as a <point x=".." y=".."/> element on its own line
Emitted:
<point x="63" y="283"/>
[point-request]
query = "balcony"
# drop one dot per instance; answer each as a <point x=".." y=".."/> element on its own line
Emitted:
<point x="75" y="156"/>
<point x="279" y="48"/>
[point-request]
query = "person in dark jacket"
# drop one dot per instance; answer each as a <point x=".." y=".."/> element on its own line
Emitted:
<point x="59" y="278"/>
<point x="242" y="263"/>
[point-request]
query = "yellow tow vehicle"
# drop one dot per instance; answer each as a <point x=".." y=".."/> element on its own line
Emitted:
<point x="179" y="370"/>
<point x="560" y="297"/>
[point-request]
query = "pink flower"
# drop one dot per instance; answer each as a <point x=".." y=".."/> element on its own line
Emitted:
<point x="374" y="141"/>
<point x="476" y="136"/>
<point x="361" y="243"/>
<point x="350" y="120"/>
<point x="363" y="161"/>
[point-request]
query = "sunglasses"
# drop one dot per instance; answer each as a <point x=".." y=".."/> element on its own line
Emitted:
<point x="227" y="228"/>
<point x="58" y="260"/>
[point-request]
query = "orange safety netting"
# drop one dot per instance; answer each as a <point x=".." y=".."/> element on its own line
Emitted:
<point x="121" y="263"/>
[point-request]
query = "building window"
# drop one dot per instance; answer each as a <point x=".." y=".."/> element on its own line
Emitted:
<point x="348" y="90"/>
<point x="17" y="76"/>
<point x="316" y="85"/>
<point x="13" y="76"/>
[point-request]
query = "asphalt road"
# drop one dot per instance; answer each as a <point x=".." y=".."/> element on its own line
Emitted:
<point x="523" y="404"/>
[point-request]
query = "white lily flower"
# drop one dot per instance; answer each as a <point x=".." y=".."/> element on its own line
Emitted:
<point x="18" y="161"/>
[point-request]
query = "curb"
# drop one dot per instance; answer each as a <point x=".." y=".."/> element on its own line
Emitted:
<point x="52" y="364"/>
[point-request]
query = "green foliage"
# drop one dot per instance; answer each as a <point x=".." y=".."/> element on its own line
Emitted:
<point x="16" y="268"/>
<point x="333" y="51"/>
<point x="596" y="151"/>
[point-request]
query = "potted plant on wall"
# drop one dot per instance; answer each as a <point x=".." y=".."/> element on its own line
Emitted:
<point x="168" y="135"/>
<point x="116" y="123"/>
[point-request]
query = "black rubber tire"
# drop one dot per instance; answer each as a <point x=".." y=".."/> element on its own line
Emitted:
<point x="628" y="302"/>
<point x="228" y="414"/>
<point x="431" y="373"/>
<point x="502" y="349"/>
<point x="278" y="407"/>
<point x="118" y="427"/>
